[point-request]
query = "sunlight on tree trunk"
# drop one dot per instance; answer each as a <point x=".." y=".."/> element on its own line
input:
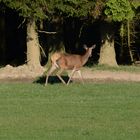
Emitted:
<point x="33" y="49"/>
<point x="107" y="54"/>
<point x="107" y="51"/>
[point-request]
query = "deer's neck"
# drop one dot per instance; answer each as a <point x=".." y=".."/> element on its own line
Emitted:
<point x="85" y="57"/>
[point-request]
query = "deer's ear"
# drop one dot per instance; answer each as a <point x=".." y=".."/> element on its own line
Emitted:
<point x="85" y="47"/>
<point x="93" y="46"/>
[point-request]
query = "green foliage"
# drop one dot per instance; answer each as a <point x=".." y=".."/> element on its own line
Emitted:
<point x="136" y="3"/>
<point x="26" y="8"/>
<point x="75" y="8"/>
<point x="116" y="10"/>
<point x="39" y="9"/>
<point x="119" y="10"/>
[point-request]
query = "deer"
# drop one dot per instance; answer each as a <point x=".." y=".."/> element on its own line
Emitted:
<point x="66" y="61"/>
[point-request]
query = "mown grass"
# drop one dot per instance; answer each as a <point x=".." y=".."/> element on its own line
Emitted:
<point x="76" y="112"/>
<point x="125" y="68"/>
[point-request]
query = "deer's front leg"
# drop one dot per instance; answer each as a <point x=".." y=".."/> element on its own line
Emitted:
<point x="72" y="73"/>
<point x="80" y="74"/>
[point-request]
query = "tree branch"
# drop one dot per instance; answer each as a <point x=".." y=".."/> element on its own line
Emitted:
<point x="47" y="32"/>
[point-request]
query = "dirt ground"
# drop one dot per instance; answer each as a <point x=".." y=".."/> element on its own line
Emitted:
<point x="21" y="73"/>
<point x="26" y="74"/>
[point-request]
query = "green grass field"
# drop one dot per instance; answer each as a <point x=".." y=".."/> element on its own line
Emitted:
<point x="120" y="68"/>
<point x="94" y="111"/>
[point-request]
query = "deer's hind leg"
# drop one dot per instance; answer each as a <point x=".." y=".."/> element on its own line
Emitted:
<point x="51" y="70"/>
<point x="58" y="75"/>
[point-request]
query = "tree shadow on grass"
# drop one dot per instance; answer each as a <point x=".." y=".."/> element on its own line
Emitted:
<point x="51" y="80"/>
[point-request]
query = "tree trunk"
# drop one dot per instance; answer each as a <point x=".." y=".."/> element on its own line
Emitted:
<point x="129" y="41"/>
<point x="107" y="51"/>
<point x="33" y="49"/>
<point x="2" y="40"/>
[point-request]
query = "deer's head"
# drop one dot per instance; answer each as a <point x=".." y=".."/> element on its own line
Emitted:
<point x="89" y="50"/>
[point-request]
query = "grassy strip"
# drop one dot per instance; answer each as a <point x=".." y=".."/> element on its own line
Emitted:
<point x="76" y="112"/>
<point x="125" y="68"/>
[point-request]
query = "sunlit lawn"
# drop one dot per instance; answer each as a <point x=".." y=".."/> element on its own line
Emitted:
<point x="94" y="111"/>
<point x="125" y="68"/>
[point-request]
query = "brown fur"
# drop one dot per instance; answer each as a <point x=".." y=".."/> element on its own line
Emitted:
<point x="65" y="61"/>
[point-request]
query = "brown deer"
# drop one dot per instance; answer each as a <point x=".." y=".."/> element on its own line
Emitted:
<point x="64" y="61"/>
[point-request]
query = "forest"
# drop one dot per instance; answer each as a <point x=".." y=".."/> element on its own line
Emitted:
<point x="30" y="31"/>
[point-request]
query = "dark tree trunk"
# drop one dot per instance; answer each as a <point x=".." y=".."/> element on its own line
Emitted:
<point x="2" y="39"/>
<point x="71" y="28"/>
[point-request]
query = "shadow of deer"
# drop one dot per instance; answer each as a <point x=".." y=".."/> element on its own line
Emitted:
<point x="64" y="61"/>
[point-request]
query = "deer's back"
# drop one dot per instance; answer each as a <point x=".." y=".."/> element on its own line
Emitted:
<point x="69" y="61"/>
